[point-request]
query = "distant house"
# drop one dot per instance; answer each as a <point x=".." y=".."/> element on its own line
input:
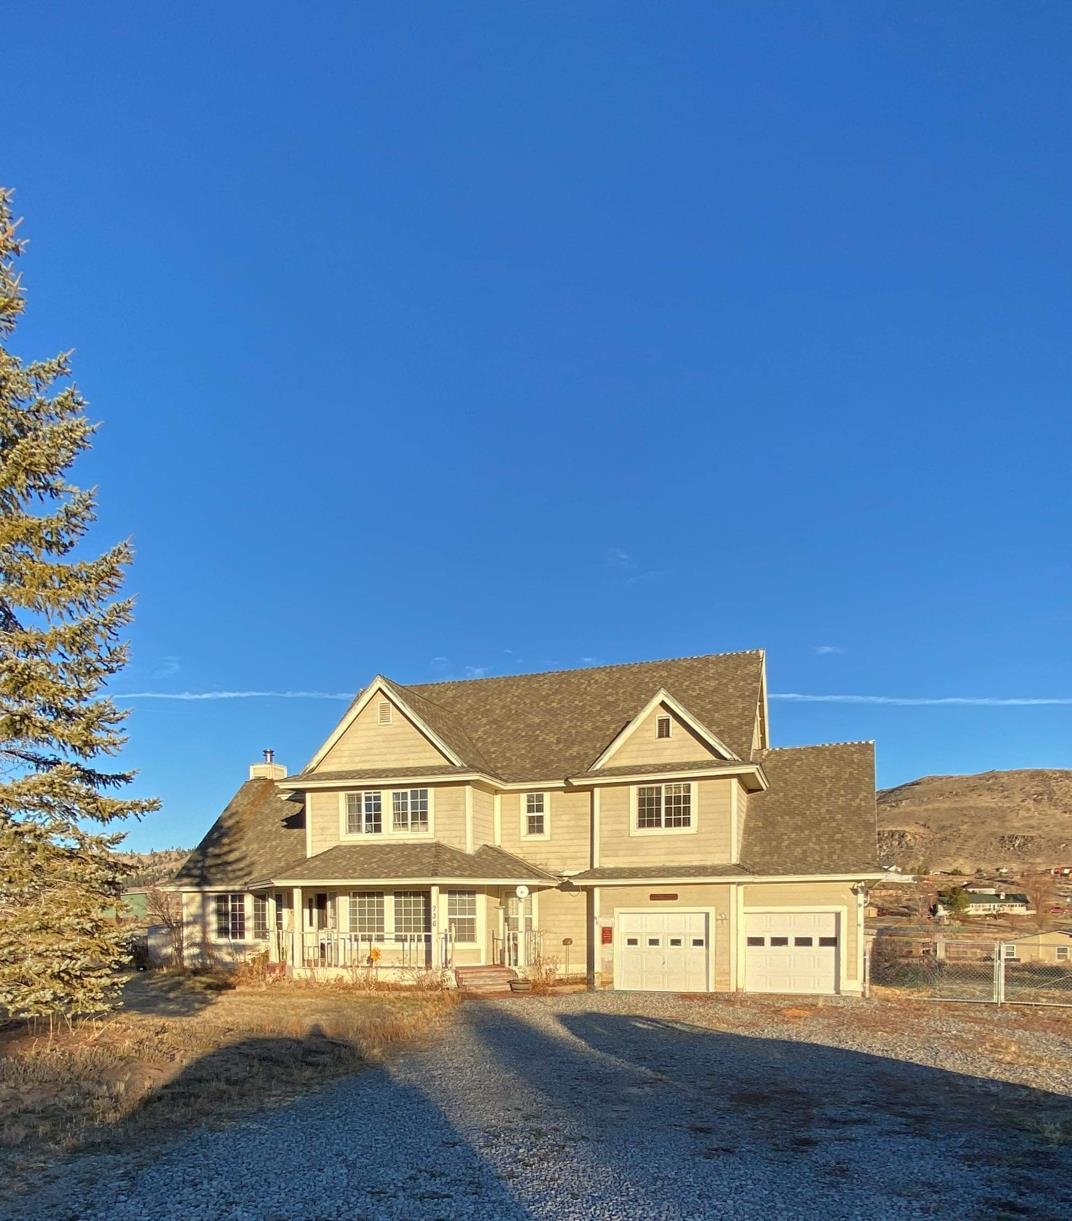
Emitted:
<point x="993" y="902"/>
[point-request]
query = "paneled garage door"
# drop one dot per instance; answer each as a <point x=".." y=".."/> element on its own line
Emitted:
<point x="791" y="952"/>
<point x="664" y="951"/>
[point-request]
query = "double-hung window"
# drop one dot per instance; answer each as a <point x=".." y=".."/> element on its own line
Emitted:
<point x="260" y="917"/>
<point x="366" y="914"/>
<point x="535" y="824"/>
<point x="413" y="913"/>
<point x="664" y="806"/>
<point x="409" y="810"/>
<point x="231" y="917"/>
<point x="363" y="814"/>
<point x="461" y="914"/>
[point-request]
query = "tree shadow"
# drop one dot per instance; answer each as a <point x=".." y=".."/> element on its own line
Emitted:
<point x="328" y="1135"/>
<point x="171" y="993"/>
<point x="688" y="1121"/>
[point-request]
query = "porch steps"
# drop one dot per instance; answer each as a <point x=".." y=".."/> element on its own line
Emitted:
<point x="484" y="980"/>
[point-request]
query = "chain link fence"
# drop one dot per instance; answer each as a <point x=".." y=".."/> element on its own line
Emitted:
<point x="956" y="967"/>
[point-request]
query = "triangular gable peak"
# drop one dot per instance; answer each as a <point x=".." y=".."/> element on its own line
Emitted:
<point x="380" y="729"/>
<point x="640" y="742"/>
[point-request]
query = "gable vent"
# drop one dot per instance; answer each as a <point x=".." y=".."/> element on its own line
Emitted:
<point x="385" y="712"/>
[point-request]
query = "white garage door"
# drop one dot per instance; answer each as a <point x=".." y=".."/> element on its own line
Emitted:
<point x="664" y="951"/>
<point x="791" y="952"/>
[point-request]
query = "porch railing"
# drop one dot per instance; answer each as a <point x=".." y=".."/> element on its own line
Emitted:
<point x="516" y="948"/>
<point x="314" y="948"/>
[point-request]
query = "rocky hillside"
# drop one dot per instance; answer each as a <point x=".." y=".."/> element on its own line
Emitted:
<point x="151" y="868"/>
<point x="1020" y="819"/>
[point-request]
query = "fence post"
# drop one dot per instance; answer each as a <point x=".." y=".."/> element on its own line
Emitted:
<point x="999" y="972"/>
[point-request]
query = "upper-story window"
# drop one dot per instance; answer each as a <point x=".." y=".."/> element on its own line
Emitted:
<point x="364" y="813"/>
<point x="384" y="712"/>
<point x="534" y="816"/>
<point x="409" y="810"/>
<point x="662" y="726"/>
<point x="662" y="806"/>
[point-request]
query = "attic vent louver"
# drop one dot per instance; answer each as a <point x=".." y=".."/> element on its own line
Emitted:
<point x="385" y="712"/>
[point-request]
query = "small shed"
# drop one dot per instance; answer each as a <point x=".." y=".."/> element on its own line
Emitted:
<point x="1052" y="947"/>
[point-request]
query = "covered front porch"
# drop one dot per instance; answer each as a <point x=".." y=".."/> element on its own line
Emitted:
<point x="398" y="930"/>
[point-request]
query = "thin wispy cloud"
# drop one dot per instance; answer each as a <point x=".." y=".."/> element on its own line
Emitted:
<point x="233" y="695"/>
<point x="621" y="562"/>
<point x="828" y="650"/>
<point x="619" y="559"/>
<point x="927" y="701"/>
<point x="476" y="671"/>
<point x="168" y="667"/>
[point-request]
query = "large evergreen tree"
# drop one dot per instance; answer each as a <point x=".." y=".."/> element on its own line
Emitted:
<point x="60" y="625"/>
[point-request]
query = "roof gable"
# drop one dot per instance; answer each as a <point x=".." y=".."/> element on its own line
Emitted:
<point x="639" y="743"/>
<point x="362" y="739"/>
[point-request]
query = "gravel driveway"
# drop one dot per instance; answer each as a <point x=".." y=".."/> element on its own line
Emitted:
<point x="642" y="1106"/>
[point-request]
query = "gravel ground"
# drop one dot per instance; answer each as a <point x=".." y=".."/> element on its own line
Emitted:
<point x="618" y="1105"/>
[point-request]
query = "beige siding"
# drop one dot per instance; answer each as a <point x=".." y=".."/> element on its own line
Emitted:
<point x="742" y="815"/>
<point x="366" y="743"/>
<point x="483" y="817"/>
<point x="569" y="844"/>
<point x="710" y="844"/>
<point x="814" y="894"/>
<point x="448" y="819"/>
<point x="642" y="746"/>
<point x="1042" y="947"/>
<point x="560" y="914"/>
<point x="613" y="898"/>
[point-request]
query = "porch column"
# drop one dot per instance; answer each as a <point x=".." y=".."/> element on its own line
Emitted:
<point x="273" y="936"/>
<point x="433" y="907"/>
<point x="297" y="927"/>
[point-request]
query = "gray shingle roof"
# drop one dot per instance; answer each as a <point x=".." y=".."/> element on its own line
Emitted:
<point x="818" y="816"/>
<point x="259" y="831"/>
<point x="538" y="726"/>
<point x="425" y="862"/>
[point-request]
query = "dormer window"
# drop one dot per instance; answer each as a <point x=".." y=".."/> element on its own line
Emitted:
<point x="662" y="726"/>
<point x="385" y="712"/>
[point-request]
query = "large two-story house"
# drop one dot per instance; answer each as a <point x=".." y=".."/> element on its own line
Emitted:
<point x="631" y="819"/>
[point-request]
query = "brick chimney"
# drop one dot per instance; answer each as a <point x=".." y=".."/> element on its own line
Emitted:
<point x="268" y="770"/>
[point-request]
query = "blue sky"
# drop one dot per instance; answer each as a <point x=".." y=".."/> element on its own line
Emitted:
<point x="478" y="338"/>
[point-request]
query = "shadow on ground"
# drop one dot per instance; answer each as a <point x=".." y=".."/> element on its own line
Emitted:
<point x="688" y="1121"/>
<point x="167" y="994"/>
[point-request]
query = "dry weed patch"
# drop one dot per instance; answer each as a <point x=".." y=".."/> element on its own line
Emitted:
<point x="186" y="1050"/>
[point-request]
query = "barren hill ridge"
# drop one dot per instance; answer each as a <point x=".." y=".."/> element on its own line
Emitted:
<point x="1020" y="819"/>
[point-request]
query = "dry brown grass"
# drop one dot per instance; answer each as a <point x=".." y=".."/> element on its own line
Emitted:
<point x="187" y="1050"/>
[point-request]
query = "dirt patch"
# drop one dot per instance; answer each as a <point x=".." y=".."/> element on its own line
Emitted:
<point x="184" y="1051"/>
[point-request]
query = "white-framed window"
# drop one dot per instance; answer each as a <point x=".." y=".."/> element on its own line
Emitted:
<point x="260" y="917"/>
<point x="383" y="712"/>
<point x="461" y="914"/>
<point x="663" y="807"/>
<point x="231" y="917"/>
<point x="535" y="816"/>
<point x="364" y="813"/>
<point x="1062" y="953"/>
<point x="281" y="905"/>
<point x="663" y="726"/>
<point x="1010" y="951"/>
<point x="409" y="810"/>
<point x="413" y="912"/>
<point x="366" y="913"/>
